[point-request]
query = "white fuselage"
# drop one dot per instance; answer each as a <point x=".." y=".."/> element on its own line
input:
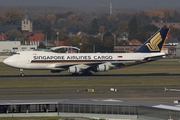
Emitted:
<point x="48" y="60"/>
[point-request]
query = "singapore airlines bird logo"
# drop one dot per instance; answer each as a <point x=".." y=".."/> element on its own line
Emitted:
<point x="153" y="45"/>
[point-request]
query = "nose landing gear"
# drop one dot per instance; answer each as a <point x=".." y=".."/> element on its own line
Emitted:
<point x="21" y="72"/>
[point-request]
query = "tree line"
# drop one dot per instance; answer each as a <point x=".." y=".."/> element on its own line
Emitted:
<point x="138" y="25"/>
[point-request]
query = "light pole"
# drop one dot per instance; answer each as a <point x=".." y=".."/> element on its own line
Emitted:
<point x="57" y="38"/>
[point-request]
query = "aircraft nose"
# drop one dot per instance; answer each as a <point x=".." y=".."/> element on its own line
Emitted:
<point x="9" y="61"/>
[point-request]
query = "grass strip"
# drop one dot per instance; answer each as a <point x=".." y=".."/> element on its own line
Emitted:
<point x="69" y="82"/>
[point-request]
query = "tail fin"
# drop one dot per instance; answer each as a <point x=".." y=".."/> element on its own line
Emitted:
<point x="155" y="43"/>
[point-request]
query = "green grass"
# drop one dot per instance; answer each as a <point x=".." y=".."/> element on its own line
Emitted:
<point x="158" y="67"/>
<point x="69" y="82"/>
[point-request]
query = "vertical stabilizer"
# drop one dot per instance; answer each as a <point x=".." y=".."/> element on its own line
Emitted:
<point x="155" y="43"/>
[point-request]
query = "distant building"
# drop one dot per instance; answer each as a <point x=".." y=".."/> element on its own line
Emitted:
<point x="133" y="45"/>
<point x="170" y="46"/>
<point x="14" y="46"/>
<point x="167" y="24"/>
<point x="126" y="49"/>
<point x="60" y="43"/>
<point x="36" y="38"/>
<point x="27" y="24"/>
<point x="122" y="36"/>
<point x="172" y="41"/>
<point x="134" y="42"/>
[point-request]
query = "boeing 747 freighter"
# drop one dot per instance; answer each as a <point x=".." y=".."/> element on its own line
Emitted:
<point x="86" y="63"/>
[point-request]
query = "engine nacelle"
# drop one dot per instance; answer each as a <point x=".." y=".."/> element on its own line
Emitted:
<point x="103" y="67"/>
<point x="74" y="69"/>
<point x="55" y="71"/>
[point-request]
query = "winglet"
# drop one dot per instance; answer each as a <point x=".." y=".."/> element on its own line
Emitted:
<point x="156" y="42"/>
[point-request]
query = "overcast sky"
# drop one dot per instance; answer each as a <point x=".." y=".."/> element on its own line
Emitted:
<point x="95" y="3"/>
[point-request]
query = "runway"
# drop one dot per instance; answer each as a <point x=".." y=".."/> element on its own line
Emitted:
<point x="93" y="76"/>
<point x="155" y="94"/>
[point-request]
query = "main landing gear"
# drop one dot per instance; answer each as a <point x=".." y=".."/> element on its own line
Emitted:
<point x="21" y="72"/>
<point x="88" y="73"/>
<point x="84" y="73"/>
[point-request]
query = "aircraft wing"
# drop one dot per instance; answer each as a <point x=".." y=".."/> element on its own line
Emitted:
<point x="93" y="65"/>
<point x="83" y="65"/>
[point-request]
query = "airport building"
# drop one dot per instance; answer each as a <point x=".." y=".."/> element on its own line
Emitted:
<point x="14" y="46"/>
<point x="107" y="109"/>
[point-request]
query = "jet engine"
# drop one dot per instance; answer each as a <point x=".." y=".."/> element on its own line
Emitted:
<point x="74" y="69"/>
<point x="102" y="67"/>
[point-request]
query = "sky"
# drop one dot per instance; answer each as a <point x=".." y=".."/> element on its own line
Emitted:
<point x="95" y="3"/>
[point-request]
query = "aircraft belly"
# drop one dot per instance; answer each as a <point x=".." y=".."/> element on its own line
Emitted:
<point x="36" y="66"/>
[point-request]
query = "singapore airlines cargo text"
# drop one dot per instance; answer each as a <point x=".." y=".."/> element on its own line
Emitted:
<point x="73" y="57"/>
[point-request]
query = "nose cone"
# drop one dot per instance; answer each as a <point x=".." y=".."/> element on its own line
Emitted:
<point x="10" y="61"/>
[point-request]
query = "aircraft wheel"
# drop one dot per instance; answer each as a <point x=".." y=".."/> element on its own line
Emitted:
<point x="86" y="74"/>
<point x="75" y="74"/>
<point x="22" y="74"/>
